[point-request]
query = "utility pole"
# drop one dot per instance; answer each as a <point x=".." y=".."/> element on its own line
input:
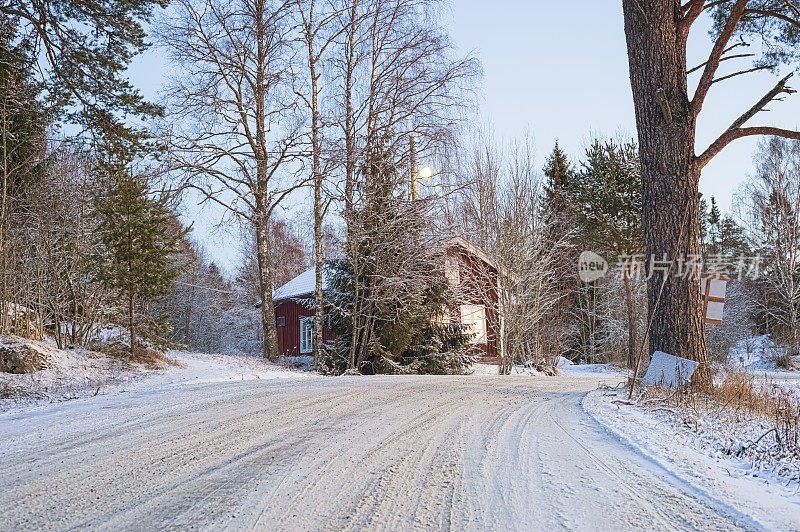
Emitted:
<point x="412" y="161"/>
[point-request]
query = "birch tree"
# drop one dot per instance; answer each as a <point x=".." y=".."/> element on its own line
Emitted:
<point x="398" y="82"/>
<point x="770" y="204"/>
<point x="318" y="31"/>
<point x="235" y="132"/>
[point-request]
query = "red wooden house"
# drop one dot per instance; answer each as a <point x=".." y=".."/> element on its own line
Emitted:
<point x="471" y="272"/>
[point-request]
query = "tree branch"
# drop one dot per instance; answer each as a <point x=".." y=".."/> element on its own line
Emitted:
<point x="748" y="71"/>
<point x="693" y="10"/>
<point x="780" y="88"/>
<point x="737" y="12"/>
<point x="736" y="131"/>
<point x="738" y="56"/>
<point x="734" y="134"/>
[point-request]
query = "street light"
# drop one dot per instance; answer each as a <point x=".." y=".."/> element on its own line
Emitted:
<point x="424" y="173"/>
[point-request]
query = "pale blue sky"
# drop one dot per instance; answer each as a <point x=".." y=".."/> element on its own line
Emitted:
<point x="560" y="70"/>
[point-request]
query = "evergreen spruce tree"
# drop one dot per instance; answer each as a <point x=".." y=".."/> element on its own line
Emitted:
<point x="607" y="199"/>
<point x="389" y="309"/>
<point x="714" y="219"/>
<point x="139" y="233"/>
<point x="559" y="174"/>
<point x="556" y="212"/>
<point x="720" y="235"/>
<point x="733" y="241"/>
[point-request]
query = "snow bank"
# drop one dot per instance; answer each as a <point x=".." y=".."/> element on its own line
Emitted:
<point x="757" y="354"/>
<point x="80" y="373"/>
<point x="691" y="455"/>
<point x="69" y="373"/>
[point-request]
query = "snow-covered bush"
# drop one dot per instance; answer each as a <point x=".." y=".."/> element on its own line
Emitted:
<point x="406" y="332"/>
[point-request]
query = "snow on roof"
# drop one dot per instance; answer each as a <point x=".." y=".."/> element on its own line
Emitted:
<point x="471" y="248"/>
<point x="302" y="285"/>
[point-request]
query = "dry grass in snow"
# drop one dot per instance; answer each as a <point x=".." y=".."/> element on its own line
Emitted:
<point x="741" y="416"/>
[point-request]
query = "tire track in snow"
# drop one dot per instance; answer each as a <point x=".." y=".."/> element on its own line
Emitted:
<point x="465" y="453"/>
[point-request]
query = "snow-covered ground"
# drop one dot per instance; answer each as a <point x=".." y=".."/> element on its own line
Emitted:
<point x="233" y="442"/>
<point x="69" y="374"/>
<point x="697" y="457"/>
<point x="275" y="449"/>
<point x="79" y="373"/>
<point x="717" y="451"/>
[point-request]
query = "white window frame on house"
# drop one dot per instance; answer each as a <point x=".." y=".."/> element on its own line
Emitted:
<point x="452" y="271"/>
<point x="474" y="317"/>
<point x="306" y="335"/>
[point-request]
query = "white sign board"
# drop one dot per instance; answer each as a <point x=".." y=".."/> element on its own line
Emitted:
<point x="669" y="371"/>
<point x="712" y="290"/>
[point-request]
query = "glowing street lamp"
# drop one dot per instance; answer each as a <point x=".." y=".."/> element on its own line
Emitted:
<point x="424" y="173"/>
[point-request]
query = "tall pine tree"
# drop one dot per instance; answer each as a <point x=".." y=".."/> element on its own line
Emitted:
<point x="607" y="199"/>
<point x="139" y="233"/>
<point x="559" y="217"/>
<point x="559" y="174"/>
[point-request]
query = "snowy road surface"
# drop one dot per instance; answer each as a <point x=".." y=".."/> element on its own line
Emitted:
<point x="473" y="453"/>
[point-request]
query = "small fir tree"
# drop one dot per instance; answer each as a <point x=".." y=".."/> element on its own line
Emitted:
<point x="141" y="238"/>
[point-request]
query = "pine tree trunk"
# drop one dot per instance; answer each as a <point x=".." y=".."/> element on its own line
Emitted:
<point x="666" y="127"/>
<point x="132" y="321"/>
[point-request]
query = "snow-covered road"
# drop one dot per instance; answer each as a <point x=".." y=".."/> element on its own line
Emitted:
<point x="475" y="453"/>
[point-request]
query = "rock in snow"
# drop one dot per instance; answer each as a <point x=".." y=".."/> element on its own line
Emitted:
<point x="22" y="358"/>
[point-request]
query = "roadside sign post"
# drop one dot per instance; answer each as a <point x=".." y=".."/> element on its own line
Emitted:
<point x="712" y="290"/>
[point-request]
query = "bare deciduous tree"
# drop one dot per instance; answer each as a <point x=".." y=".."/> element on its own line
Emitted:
<point x="770" y="205"/>
<point x="501" y="213"/>
<point x="235" y="130"/>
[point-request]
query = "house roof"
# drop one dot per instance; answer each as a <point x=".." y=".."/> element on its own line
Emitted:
<point x="302" y="285"/>
<point x="470" y="248"/>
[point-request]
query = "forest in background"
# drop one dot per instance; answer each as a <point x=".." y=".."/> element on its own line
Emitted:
<point x="342" y="102"/>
